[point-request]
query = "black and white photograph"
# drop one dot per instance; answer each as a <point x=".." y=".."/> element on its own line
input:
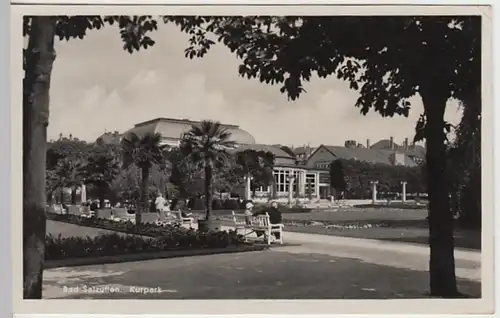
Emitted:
<point x="256" y="156"/>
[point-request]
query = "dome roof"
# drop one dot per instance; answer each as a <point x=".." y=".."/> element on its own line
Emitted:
<point x="173" y="129"/>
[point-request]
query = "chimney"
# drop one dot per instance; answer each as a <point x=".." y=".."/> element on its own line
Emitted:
<point x="406" y="144"/>
<point x="391" y="142"/>
<point x="367" y="143"/>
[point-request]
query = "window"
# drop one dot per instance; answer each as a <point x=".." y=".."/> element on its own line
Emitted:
<point x="310" y="185"/>
<point x="324" y="177"/>
<point x="280" y="177"/>
<point x="323" y="165"/>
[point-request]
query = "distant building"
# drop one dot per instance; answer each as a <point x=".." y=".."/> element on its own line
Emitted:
<point x="109" y="137"/>
<point x="173" y="129"/>
<point x="308" y="165"/>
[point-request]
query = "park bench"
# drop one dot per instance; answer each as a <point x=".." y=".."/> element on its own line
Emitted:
<point x="251" y="224"/>
<point x="86" y="212"/>
<point x="174" y="217"/>
<point x="121" y="214"/>
<point x="74" y="209"/>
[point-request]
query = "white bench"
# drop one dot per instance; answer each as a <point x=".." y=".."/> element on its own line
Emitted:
<point x="174" y="217"/>
<point x="257" y="223"/>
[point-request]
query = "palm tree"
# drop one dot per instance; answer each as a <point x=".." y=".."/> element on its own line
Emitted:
<point x="101" y="169"/>
<point x="208" y="144"/>
<point x="143" y="152"/>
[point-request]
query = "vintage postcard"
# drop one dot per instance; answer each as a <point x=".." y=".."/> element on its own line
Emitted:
<point x="251" y="160"/>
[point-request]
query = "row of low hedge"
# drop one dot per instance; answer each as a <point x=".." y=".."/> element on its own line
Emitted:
<point x="172" y="236"/>
<point x="57" y="248"/>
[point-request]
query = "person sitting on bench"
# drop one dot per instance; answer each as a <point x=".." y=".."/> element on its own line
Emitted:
<point x="274" y="217"/>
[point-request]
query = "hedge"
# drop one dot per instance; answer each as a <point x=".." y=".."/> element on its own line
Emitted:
<point x="57" y="247"/>
<point x="353" y="178"/>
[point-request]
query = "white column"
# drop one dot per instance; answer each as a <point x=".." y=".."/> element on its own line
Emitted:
<point x="291" y="180"/>
<point x="374" y="191"/>
<point x="403" y="191"/>
<point x="248" y="189"/>
<point x="302" y="183"/>
<point x="316" y="185"/>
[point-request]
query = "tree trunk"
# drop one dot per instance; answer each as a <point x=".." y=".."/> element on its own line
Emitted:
<point x="208" y="188"/>
<point x="144" y="206"/>
<point x="442" y="261"/>
<point x="40" y="57"/>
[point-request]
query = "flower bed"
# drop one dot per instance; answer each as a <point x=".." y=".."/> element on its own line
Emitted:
<point x="144" y="238"/>
<point x="58" y="248"/>
<point x="355" y="225"/>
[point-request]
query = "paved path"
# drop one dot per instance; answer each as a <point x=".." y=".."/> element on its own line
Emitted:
<point x="307" y="267"/>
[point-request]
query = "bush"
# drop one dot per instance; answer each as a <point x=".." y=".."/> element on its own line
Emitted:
<point x="197" y="204"/>
<point x="216" y="204"/>
<point x="231" y="204"/>
<point x="359" y="174"/>
<point x="57" y="248"/>
<point x="158" y="238"/>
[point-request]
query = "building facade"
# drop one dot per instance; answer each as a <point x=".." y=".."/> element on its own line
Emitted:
<point x="301" y="172"/>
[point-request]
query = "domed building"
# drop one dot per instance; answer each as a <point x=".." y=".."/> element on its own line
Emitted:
<point x="173" y="129"/>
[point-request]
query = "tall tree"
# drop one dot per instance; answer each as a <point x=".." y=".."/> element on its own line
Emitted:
<point x="208" y="144"/>
<point x="258" y="164"/>
<point x="101" y="169"/>
<point x="65" y="160"/>
<point x="388" y="60"/>
<point x="38" y="60"/>
<point x="186" y="176"/>
<point x="337" y="178"/>
<point x="144" y="152"/>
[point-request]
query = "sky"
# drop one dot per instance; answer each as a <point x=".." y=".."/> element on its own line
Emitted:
<point x="97" y="86"/>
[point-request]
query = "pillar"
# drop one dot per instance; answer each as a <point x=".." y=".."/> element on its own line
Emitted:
<point x="403" y="191"/>
<point x="374" y="191"/>
<point x="290" y="189"/>
<point x="248" y="188"/>
<point x="316" y="185"/>
<point x="302" y="183"/>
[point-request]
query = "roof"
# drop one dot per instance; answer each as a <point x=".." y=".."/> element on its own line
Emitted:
<point x="361" y="154"/>
<point x="383" y="144"/>
<point x="171" y="128"/>
<point x="281" y="157"/>
<point x="377" y="156"/>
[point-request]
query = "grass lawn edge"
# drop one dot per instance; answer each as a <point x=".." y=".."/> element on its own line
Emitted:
<point x="124" y="258"/>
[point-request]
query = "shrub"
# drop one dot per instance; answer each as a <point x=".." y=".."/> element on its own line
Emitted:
<point x="57" y="248"/>
<point x="359" y="174"/>
<point x="216" y="204"/>
<point x="231" y="204"/>
<point x="197" y="204"/>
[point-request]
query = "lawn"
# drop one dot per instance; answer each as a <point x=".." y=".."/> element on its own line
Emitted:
<point x="391" y="224"/>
